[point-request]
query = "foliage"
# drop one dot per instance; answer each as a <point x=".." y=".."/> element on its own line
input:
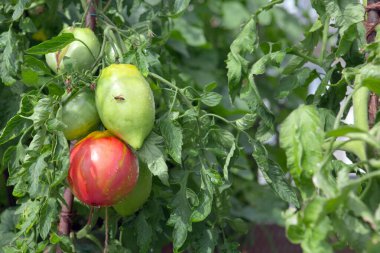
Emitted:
<point x="262" y="94"/>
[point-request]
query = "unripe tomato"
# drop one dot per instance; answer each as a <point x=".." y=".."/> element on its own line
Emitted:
<point x="110" y="54"/>
<point x="80" y="54"/>
<point x="125" y="103"/>
<point x="139" y="195"/>
<point x="103" y="169"/>
<point x="79" y="114"/>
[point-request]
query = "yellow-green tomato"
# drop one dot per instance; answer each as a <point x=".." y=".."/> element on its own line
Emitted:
<point x="79" y="114"/>
<point x="138" y="196"/>
<point x="79" y="55"/>
<point x="125" y="103"/>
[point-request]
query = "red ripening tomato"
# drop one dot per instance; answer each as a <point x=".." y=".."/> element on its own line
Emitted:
<point x="103" y="169"/>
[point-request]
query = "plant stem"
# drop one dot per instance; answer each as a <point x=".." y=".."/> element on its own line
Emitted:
<point x="64" y="226"/>
<point x="362" y="179"/>
<point x="336" y="125"/>
<point x="107" y="5"/>
<point x="106" y="233"/>
<point x="91" y="15"/>
<point x="115" y="43"/>
<point x="324" y="39"/>
<point x="65" y="221"/>
<point x="360" y="104"/>
<point x="171" y="85"/>
<point x="306" y="57"/>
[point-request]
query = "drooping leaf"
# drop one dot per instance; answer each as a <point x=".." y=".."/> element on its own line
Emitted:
<point x="302" y="136"/>
<point x="273" y="174"/>
<point x="152" y="155"/>
<point x="52" y="45"/>
<point x="236" y="63"/>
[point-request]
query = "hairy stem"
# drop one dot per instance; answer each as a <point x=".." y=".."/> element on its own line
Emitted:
<point x="91" y="14"/>
<point x="106" y="233"/>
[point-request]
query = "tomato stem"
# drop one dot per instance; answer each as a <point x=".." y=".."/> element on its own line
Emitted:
<point x="171" y="85"/>
<point x="115" y="43"/>
<point x="106" y="232"/>
<point x="324" y="39"/>
<point x="360" y="104"/>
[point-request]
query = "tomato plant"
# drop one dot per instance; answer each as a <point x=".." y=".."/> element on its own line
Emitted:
<point x="249" y="115"/>
<point x="102" y="170"/>
<point x="79" y="55"/>
<point x="125" y="103"/>
<point x="79" y="114"/>
<point x="139" y="195"/>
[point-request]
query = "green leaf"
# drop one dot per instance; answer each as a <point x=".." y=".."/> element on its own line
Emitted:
<point x="246" y="122"/>
<point x="228" y="162"/>
<point x="259" y="66"/>
<point x="36" y="64"/>
<point x="52" y="45"/>
<point x="273" y="174"/>
<point x="345" y="13"/>
<point x="344" y="130"/>
<point x="181" y="212"/>
<point x="144" y="233"/>
<point x="172" y="133"/>
<point x="360" y="209"/>
<point x="314" y="211"/>
<point x="206" y="240"/>
<point x="301" y="77"/>
<point x="244" y="43"/>
<point x="48" y="215"/>
<point x="19" y="9"/>
<point x="178" y="6"/>
<point x="222" y="137"/>
<point x="27" y="25"/>
<point x="316" y="239"/>
<point x="152" y="155"/>
<point x="211" y="98"/>
<point x="302" y="136"/>
<point x="11" y="57"/>
<point x="206" y="198"/>
<point x="14" y="128"/>
<point x="370" y="77"/>
<point x="28" y="211"/>
<point x="35" y="171"/>
<point x="191" y="34"/>
<point x="251" y="96"/>
<point x="142" y="62"/>
<point x="41" y="112"/>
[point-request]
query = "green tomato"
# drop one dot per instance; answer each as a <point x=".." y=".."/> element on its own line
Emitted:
<point x="79" y="55"/>
<point x="138" y="196"/>
<point x="79" y="114"/>
<point x="110" y="54"/>
<point x="125" y="103"/>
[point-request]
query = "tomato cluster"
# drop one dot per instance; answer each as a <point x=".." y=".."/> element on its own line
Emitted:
<point x="104" y="169"/>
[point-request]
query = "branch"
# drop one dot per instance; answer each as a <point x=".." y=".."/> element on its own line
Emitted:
<point x="65" y="221"/>
<point x="373" y="19"/>
<point x="91" y="14"/>
<point x="64" y="227"/>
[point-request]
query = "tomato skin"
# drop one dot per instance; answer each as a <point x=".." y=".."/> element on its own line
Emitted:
<point x="110" y="54"/>
<point x="102" y="169"/>
<point x="125" y="103"/>
<point x="80" y="56"/>
<point x="138" y="196"/>
<point x="79" y="114"/>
